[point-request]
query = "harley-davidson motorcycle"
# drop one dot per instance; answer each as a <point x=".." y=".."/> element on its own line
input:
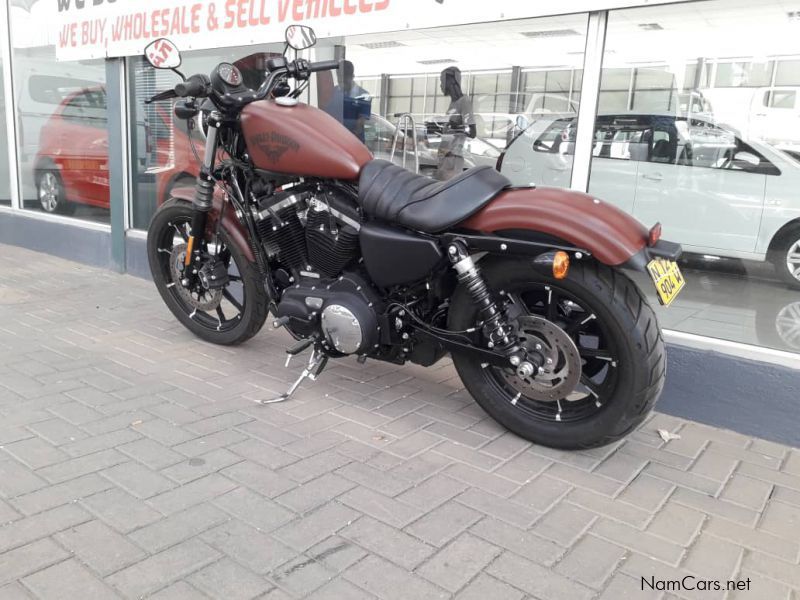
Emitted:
<point x="525" y="288"/>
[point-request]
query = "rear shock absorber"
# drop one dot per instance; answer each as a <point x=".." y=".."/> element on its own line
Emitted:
<point x="501" y="335"/>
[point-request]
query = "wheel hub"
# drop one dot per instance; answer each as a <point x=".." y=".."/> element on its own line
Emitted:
<point x="561" y="367"/>
<point x="197" y="296"/>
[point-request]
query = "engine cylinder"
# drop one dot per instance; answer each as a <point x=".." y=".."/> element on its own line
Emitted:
<point x="283" y="236"/>
<point x="331" y="245"/>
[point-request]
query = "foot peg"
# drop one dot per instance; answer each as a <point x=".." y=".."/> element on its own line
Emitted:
<point x="316" y="364"/>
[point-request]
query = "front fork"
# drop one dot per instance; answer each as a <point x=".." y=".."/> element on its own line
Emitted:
<point x="203" y="199"/>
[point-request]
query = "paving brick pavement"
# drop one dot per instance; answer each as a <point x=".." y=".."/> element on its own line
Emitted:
<point x="134" y="463"/>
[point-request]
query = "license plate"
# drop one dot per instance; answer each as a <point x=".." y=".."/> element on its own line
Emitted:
<point x="667" y="278"/>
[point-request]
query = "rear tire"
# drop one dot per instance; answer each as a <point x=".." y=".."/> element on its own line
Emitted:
<point x="252" y="296"/>
<point x="629" y="327"/>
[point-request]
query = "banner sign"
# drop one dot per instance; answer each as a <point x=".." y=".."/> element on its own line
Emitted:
<point x="101" y="28"/>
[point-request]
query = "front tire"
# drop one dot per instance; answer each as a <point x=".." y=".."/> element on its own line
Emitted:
<point x="51" y="194"/>
<point x="786" y="257"/>
<point x="616" y="333"/>
<point x="229" y="317"/>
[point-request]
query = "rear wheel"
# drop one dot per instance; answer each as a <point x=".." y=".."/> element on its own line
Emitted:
<point x="606" y="359"/>
<point x="227" y="315"/>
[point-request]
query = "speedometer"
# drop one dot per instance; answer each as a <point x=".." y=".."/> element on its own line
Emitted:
<point x="230" y="74"/>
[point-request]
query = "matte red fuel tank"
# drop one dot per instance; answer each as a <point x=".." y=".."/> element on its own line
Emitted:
<point x="301" y="140"/>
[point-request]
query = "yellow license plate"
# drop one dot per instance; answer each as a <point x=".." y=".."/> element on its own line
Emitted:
<point x="667" y="278"/>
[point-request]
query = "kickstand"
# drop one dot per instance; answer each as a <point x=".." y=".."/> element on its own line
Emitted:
<point x="316" y="363"/>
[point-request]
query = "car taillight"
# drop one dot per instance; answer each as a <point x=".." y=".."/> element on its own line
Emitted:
<point x="654" y="235"/>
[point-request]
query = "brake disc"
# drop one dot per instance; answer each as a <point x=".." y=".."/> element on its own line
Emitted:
<point x="197" y="297"/>
<point x="562" y="368"/>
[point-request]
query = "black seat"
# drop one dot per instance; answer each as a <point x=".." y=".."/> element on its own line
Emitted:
<point x="391" y="193"/>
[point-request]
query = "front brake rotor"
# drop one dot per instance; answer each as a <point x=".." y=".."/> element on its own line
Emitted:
<point x="562" y="366"/>
<point x="197" y="296"/>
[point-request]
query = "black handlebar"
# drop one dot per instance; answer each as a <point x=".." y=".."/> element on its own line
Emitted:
<point x="167" y="95"/>
<point x="324" y="65"/>
<point x="197" y="86"/>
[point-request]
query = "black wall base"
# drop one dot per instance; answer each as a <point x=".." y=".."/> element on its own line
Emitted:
<point x="83" y="245"/>
<point x="750" y="397"/>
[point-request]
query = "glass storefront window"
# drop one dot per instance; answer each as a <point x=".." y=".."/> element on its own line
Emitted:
<point x="62" y="124"/>
<point x="496" y="106"/>
<point x="704" y="140"/>
<point x="165" y="150"/>
<point x="453" y="132"/>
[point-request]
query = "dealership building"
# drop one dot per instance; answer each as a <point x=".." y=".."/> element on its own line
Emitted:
<point x="683" y="113"/>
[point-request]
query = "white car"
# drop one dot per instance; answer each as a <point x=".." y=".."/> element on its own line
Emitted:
<point x="712" y="192"/>
<point x="499" y="117"/>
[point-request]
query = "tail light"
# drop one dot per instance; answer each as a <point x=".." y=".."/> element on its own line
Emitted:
<point x="654" y="235"/>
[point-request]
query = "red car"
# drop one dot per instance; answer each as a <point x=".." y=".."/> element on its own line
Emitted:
<point x="71" y="165"/>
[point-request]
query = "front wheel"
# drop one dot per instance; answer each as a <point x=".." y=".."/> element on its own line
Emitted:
<point x="50" y="191"/>
<point x="786" y="257"/>
<point x="605" y="357"/>
<point x="227" y="315"/>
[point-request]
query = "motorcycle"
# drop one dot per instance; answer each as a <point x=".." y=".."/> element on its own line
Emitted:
<point x="525" y="288"/>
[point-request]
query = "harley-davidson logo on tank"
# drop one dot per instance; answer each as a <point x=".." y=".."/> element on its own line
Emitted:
<point x="85" y="29"/>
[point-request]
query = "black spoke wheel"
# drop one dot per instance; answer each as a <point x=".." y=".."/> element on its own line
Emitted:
<point x="228" y="315"/>
<point x="605" y="355"/>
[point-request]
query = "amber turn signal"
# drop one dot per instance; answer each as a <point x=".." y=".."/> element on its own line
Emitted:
<point x="560" y="265"/>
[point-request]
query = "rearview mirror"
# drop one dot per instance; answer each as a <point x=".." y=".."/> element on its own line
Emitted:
<point x="300" y="37"/>
<point x="163" y="54"/>
<point x="522" y="123"/>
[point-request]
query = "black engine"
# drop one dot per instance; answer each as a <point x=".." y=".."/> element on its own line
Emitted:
<point x="310" y="229"/>
<point x="313" y="232"/>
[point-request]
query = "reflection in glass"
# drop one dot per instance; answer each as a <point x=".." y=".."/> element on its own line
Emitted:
<point x="165" y="150"/>
<point x="523" y="70"/>
<point x="350" y="104"/>
<point x="458" y="124"/>
<point x="705" y="145"/>
<point x="62" y="123"/>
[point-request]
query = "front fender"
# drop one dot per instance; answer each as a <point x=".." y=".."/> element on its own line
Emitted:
<point x="611" y="235"/>
<point x="230" y="223"/>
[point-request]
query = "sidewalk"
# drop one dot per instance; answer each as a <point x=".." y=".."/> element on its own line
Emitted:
<point x="135" y="463"/>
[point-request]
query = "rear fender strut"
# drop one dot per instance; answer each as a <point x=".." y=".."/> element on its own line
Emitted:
<point x="510" y="245"/>
<point x="585" y="223"/>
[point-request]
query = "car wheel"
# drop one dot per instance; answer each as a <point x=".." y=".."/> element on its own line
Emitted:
<point x="786" y="257"/>
<point x="50" y="191"/>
